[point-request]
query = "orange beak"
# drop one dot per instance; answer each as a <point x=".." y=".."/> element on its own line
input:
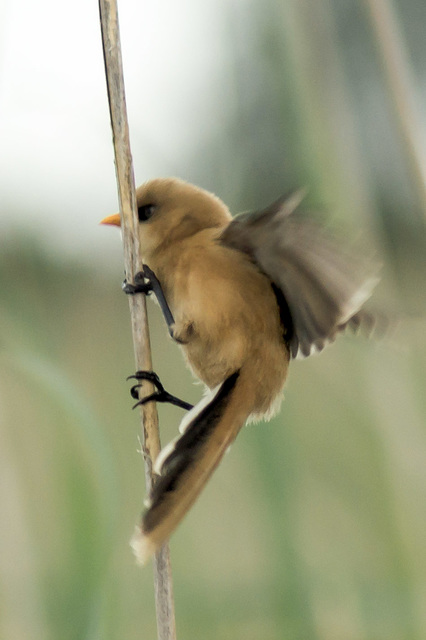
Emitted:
<point x="115" y="220"/>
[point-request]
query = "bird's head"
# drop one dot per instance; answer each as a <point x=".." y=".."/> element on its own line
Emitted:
<point x="170" y="210"/>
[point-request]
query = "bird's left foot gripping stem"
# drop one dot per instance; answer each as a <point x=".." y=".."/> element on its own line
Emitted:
<point x="161" y="395"/>
<point x="145" y="282"/>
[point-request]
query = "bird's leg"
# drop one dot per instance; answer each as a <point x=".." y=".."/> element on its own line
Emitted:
<point x="159" y="294"/>
<point x="161" y="395"/>
<point x="145" y="282"/>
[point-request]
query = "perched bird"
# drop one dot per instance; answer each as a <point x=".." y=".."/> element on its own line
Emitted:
<point x="243" y="296"/>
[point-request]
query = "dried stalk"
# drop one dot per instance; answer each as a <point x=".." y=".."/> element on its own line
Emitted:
<point x="398" y="77"/>
<point x="132" y="264"/>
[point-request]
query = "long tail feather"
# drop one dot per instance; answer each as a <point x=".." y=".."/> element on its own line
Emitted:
<point x="187" y="464"/>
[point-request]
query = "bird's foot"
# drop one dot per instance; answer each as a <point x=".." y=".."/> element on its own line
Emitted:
<point x="161" y="395"/>
<point x="141" y="285"/>
<point x="146" y="282"/>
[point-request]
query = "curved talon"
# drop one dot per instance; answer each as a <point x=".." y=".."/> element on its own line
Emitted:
<point x="160" y="395"/>
<point x="153" y="396"/>
<point x="139" y="286"/>
<point x="164" y="396"/>
<point x="134" y="391"/>
<point x="151" y="376"/>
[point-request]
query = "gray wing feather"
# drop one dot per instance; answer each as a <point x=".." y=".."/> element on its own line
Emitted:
<point x="324" y="282"/>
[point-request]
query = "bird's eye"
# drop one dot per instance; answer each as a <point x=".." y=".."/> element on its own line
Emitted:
<point x="145" y="211"/>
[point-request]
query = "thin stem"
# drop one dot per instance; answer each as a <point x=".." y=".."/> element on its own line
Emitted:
<point x="132" y="264"/>
<point x="400" y="84"/>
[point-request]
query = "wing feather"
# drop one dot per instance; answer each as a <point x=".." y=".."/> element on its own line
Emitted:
<point x="324" y="282"/>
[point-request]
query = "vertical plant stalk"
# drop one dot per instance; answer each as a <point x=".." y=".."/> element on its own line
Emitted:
<point x="132" y="264"/>
<point x="397" y="73"/>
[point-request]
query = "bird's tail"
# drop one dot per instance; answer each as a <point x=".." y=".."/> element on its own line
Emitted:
<point x="186" y="464"/>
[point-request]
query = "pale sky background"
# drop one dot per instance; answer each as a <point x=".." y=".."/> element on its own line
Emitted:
<point x="57" y="177"/>
<point x="56" y="158"/>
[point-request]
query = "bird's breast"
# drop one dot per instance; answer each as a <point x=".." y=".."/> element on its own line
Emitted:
<point x="225" y="311"/>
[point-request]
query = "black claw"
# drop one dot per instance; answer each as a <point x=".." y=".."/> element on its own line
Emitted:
<point x="140" y="285"/>
<point x="134" y="391"/>
<point x="153" y="397"/>
<point x="146" y="282"/>
<point x="161" y="395"/>
<point x="164" y="396"/>
<point x="151" y="376"/>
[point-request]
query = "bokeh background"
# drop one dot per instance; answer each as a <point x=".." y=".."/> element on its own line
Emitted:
<point x="314" y="527"/>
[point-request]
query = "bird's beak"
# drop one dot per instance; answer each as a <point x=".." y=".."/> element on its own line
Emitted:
<point x="114" y="220"/>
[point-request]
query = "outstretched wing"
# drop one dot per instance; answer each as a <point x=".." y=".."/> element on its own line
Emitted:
<point x="320" y="283"/>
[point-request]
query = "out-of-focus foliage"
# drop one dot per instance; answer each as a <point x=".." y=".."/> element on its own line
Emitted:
<point x="314" y="526"/>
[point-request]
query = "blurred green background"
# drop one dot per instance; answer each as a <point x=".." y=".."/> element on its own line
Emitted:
<point x="314" y="527"/>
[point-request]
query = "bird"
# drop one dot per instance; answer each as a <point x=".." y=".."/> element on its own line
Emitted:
<point x="243" y="296"/>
